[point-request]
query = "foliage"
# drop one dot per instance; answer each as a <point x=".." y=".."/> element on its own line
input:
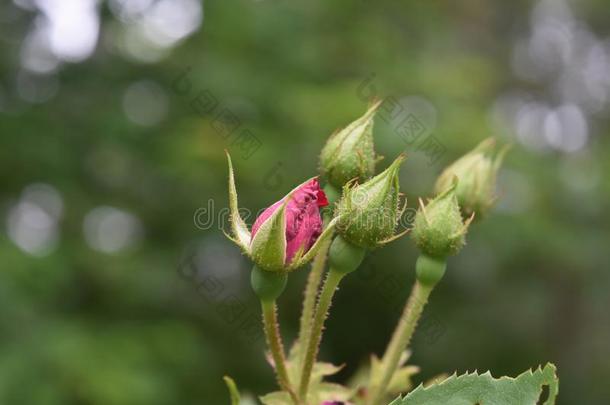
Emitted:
<point x="475" y="389"/>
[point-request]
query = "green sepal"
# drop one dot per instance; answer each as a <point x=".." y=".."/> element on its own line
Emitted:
<point x="232" y="387"/>
<point x="239" y="230"/>
<point x="268" y="247"/>
<point x="300" y="259"/>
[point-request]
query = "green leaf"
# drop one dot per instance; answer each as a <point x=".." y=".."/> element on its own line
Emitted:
<point x="276" y="398"/>
<point x="321" y="370"/>
<point x="319" y="391"/>
<point x="401" y="380"/>
<point x="232" y="390"/>
<point x="369" y="376"/>
<point x="332" y="392"/>
<point x="475" y="389"/>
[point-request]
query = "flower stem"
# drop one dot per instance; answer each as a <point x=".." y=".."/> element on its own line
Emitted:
<point x="311" y="291"/>
<point x="314" y="279"/>
<point x="429" y="272"/>
<point x="400" y="339"/>
<point x="276" y="347"/>
<point x="326" y="295"/>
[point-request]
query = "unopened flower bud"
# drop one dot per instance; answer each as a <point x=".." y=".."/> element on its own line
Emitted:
<point x="476" y="171"/>
<point x="368" y="213"/>
<point x="349" y="152"/>
<point x="300" y="226"/>
<point x="438" y="229"/>
<point x="288" y="233"/>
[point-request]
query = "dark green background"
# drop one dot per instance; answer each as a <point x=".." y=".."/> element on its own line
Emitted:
<point x="79" y="326"/>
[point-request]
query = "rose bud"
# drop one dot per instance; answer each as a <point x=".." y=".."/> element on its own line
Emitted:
<point x="369" y="212"/>
<point x="288" y="233"/>
<point x="349" y="153"/>
<point x="476" y="171"/>
<point x="438" y="229"/>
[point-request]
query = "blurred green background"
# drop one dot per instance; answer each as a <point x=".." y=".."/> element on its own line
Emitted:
<point x="116" y="284"/>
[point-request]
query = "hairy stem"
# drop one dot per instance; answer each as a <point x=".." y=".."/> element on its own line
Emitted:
<point x="315" y="334"/>
<point x="311" y="291"/>
<point x="401" y="338"/>
<point x="274" y="341"/>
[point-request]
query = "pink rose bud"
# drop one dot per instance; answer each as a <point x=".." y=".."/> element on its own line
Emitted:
<point x="303" y="221"/>
<point x="288" y="233"/>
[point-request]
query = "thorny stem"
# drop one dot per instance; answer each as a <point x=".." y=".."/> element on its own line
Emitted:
<point x="429" y="272"/>
<point x="315" y="278"/>
<point x="400" y="339"/>
<point x="311" y="291"/>
<point x="276" y="347"/>
<point x="313" y="343"/>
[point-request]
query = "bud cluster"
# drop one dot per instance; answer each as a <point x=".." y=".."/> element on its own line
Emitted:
<point x="366" y="210"/>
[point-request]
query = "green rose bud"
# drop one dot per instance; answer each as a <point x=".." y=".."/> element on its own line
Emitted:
<point x="368" y="213"/>
<point x="438" y="229"/>
<point x="476" y="172"/>
<point x="349" y="152"/>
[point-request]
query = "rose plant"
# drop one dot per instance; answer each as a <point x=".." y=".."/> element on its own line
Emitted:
<point x="365" y="214"/>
